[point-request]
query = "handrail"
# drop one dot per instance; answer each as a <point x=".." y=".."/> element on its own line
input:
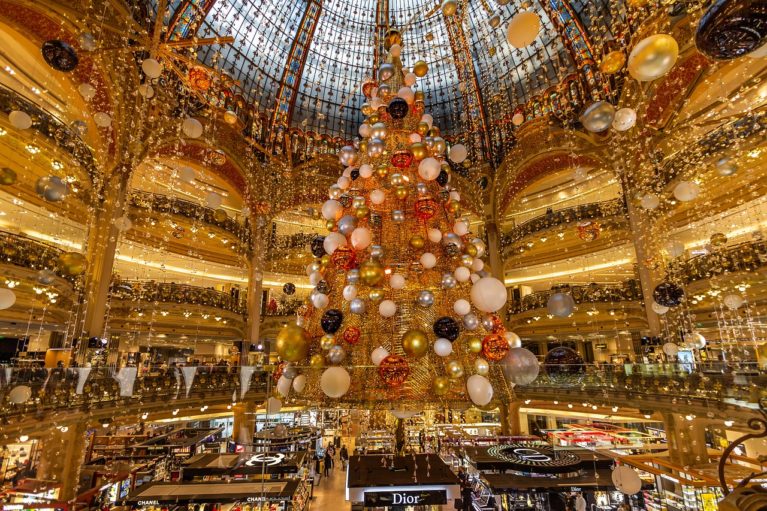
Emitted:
<point x="20" y="250"/>
<point x="170" y="292"/>
<point x="747" y="256"/>
<point x="551" y="219"/>
<point x="630" y="290"/>
<point x="164" y="204"/>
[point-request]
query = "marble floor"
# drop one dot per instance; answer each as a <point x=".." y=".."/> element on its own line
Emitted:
<point x="330" y="494"/>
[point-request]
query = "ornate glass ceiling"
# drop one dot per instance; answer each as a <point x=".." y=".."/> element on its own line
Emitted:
<point x="305" y="59"/>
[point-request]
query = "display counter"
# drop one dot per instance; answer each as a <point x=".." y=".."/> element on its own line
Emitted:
<point x="417" y="482"/>
<point x="290" y="495"/>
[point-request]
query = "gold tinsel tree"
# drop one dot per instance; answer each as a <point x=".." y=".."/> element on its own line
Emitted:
<point x="403" y="312"/>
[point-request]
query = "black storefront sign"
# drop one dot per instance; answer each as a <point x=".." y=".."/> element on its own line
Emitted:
<point x="405" y="498"/>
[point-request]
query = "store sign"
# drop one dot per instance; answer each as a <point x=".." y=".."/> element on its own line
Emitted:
<point x="269" y="459"/>
<point x="405" y="498"/>
<point x="148" y="502"/>
<point x="533" y="456"/>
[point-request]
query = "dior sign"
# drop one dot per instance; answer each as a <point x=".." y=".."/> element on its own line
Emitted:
<point x="405" y="498"/>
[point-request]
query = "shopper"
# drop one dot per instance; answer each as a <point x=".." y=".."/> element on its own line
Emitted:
<point x="344" y="456"/>
<point x="328" y="462"/>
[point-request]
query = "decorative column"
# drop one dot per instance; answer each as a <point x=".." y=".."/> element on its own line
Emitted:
<point x="61" y="458"/>
<point x="255" y="285"/>
<point x="511" y="423"/>
<point x="244" y="424"/>
<point x="100" y="248"/>
<point x="642" y="237"/>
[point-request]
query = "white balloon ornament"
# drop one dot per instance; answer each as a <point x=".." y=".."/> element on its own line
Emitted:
<point x="443" y="347"/>
<point x="624" y="119"/>
<point x="333" y="241"/>
<point x="462" y="307"/>
<point x="366" y="170"/>
<point x="387" y="308"/>
<point x="428" y="260"/>
<point x="102" y="119"/>
<point x="397" y="281"/>
<point x="7" y="298"/>
<point x="523" y="29"/>
<point x="299" y="383"/>
<point x="488" y="294"/>
<point x="151" y="68"/>
<point x="191" y="127"/>
<point x="284" y="385"/>
<point x="670" y="349"/>
<point x="434" y="235"/>
<point x="429" y="168"/>
<point x="458" y="153"/>
<point x="377" y="197"/>
<point x="658" y="308"/>
<point x="361" y="238"/>
<point x="626" y="480"/>
<point x="686" y="191"/>
<point x="335" y="382"/>
<point x="513" y="339"/>
<point x="87" y="91"/>
<point x="733" y="301"/>
<point x="462" y="274"/>
<point x="332" y="210"/>
<point x="649" y="201"/>
<point x="213" y="200"/>
<point x="480" y="390"/>
<point x="378" y="355"/>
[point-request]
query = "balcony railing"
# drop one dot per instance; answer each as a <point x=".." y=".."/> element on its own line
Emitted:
<point x="748" y="256"/>
<point x="173" y="205"/>
<point x="170" y="292"/>
<point x="630" y="290"/>
<point x="19" y="250"/>
<point x="562" y="217"/>
<point x="281" y="307"/>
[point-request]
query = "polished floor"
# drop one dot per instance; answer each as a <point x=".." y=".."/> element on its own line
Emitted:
<point x="331" y="491"/>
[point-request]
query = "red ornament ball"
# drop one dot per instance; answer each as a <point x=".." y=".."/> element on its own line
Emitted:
<point x="352" y="335"/>
<point x="494" y="347"/>
<point x="344" y="258"/>
<point x="425" y="208"/>
<point x="402" y="159"/>
<point x="394" y="370"/>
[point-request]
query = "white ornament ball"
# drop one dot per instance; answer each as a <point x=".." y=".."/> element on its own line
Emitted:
<point x="187" y="174"/>
<point x="146" y="90"/>
<point x="477" y="264"/>
<point x="344" y="182"/>
<point x="7" y="298"/>
<point x="410" y="79"/>
<point x="299" y="383"/>
<point x="428" y="260"/>
<point x="458" y="153"/>
<point x="461" y="228"/>
<point x="397" y="281"/>
<point x="320" y="300"/>
<point x="333" y="241"/>
<point x="332" y="210"/>
<point x="377" y="197"/>
<point x="335" y="382"/>
<point x="366" y="170"/>
<point x="350" y="292"/>
<point x="462" y="274"/>
<point x="434" y="235"/>
<point x="428" y="119"/>
<point x="191" y="127"/>
<point x="488" y="294"/>
<point x="686" y="191"/>
<point x="407" y="94"/>
<point x="87" y="91"/>
<point x="378" y="355"/>
<point x="650" y="201"/>
<point x="462" y="307"/>
<point x="283" y="386"/>
<point x="387" y="308"/>
<point x="733" y="301"/>
<point x="213" y="200"/>
<point x="365" y="130"/>
<point x="513" y="340"/>
<point x="102" y="119"/>
<point x="658" y="308"/>
<point x="151" y="68"/>
<point x="626" y="480"/>
<point x="480" y="390"/>
<point x="361" y="237"/>
<point x="670" y="349"/>
<point x="443" y="347"/>
<point x="625" y="119"/>
<point x="429" y="168"/>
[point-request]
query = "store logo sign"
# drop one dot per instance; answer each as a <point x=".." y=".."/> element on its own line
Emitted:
<point x="403" y="498"/>
<point x="406" y="498"/>
<point x="269" y="459"/>
<point x="534" y="455"/>
<point x="148" y="502"/>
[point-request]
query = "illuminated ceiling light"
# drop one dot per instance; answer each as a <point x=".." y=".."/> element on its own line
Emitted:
<point x="729" y="424"/>
<point x="689" y="417"/>
<point x="57" y="165"/>
<point x="11" y="283"/>
<point x="527" y="401"/>
<point x="32" y="149"/>
<point x="23" y="438"/>
<point x="569" y="405"/>
<point x="175" y="412"/>
<point x="647" y="416"/>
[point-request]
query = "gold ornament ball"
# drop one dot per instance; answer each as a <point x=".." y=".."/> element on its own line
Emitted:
<point x="376" y="295"/>
<point x="718" y="239"/>
<point x="439" y="146"/>
<point x="330" y="225"/>
<point x="415" y="343"/>
<point x="382" y="171"/>
<point x="434" y="132"/>
<point x="219" y="215"/>
<point x="417" y="241"/>
<point x="367" y="109"/>
<point x="653" y="57"/>
<point x="471" y="249"/>
<point x="371" y="273"/>
<point x="420" y="96"/>
<point x="612" y="62"/>
<point x="324" y="261"/>
<point x="481" y="367"/>
<point x="363" y="147"/>
<point x="401" y="192"/>
<point x="396" y="179"/>
<point x="292" y="343"/>
<point x="449" y="7"/>
<point x="419" y="151"/>
<point x="374" y="118"/>
<point x="440" y="385"/>
<point x="317" y="361"/>
<point x="420" y="69"/>
<point x="454" y="369"/>
<point x="474" y="344"/>
<point x="452" y="207"/>
<point x="392" y="37"/>
<point x="422" y="128"/>
<point x="362" y="212"/>
<point x="327" y="341"/>
<point x="467" y="260"/>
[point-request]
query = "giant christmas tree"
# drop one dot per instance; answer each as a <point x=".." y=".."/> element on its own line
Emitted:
<point x="403" y="311"/>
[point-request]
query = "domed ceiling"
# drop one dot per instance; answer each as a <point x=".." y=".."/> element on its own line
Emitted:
<point x="301" y="62"/>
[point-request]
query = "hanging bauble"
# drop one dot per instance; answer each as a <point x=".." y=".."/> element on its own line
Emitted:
<point x="470" y="322"/>
<point x="289" y="288"/>
<point x="191" y="127"/>
<point x="352" y="335"/>
<point x="428" y="260"/>
<point x="448" y="281"/>
<point x="344" y="258"/>
<point x="494" y="347"/>
<point x="20" y="120"/>
<point x="686" y="191"/>
<point x="335" y="382"/>
<point x="458" y="153"/>
<point x="624" y="119"/>
<point x="732" y="28"/>
<point x="440" y="386"/>
<point x="598" y="116"/>
<point x="371" y="273"/>
<point x="481" y="367"/>
<point x="612" y="62"/>
<point x="71" y="263"/>
<point x="520" y="366"/>
<point x="560" y="305"/>
<point x="387" y="308"/>
<point x="20" y="394"/>
<point x="429" y="169"/>
<point x="668" y="294"/>
<point x="361" y="238"/>
<point x="333" y="241"/>
<point x="59" y="55"/>
<point x="151" y="68"/>
<point x="670" y="349"/>
<point x="385" y="72"/>
<point x="449" y="7"/>
<point x="425" y="207"/>
<point x="447" y="328"/>
<point x="336" y="354"/>
<point x="318" y="250"/>
<point x="87" y="91"/>
<point x="52" y="188"/>
<point x="357" y="306"/>
<point x="523" y="29"/>
<point x="733" y="301"/>
<point x="284" y="385"/>
<point x="393" y="370"/>
<point x="563" y="361"/>
<point x="331" y="321"/>
<point x="488" y="294"/>
<point x="398" y="108"/>
<point x="653" y="57"/>
<point x="102" y="119"/>
<point x="323" y="287"/>
<point x="443" y="178"/>
<point x="649" y="201"/>
<point x="454" y="369"/>
<point x="425" y="299"/>
<point x="410" y="79"/>
<point x="378" y="355"/>
<point x="658" y="308"/>
<point x="299" y="383"/>
<point x="415" y="343"/>
<point x="395" y="50"/>
<point x="347" y="156"/>
<point x="443" y="347"/>
<point x="480" y="390"/>
<point x="292" y="343"/>
<point x="402" y="159"/>
<point x="494" y="21"/>
<point x="7" y="298"/>
<point x="407" y="94"/>
<point x="420" y="68"/>
<point x="726" y="167"/>
<point x="319" y="300"/>
<point x="462" y="307"/>
<point x="626" y="480"/>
